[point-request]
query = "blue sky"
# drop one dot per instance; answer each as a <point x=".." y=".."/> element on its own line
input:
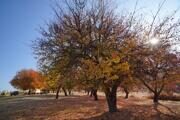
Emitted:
<point x="19" y="22"/>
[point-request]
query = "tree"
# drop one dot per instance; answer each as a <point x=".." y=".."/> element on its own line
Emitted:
<point x="52" y="80"/>
<point x="156" y="71"/>
<point x="171" y="88"/>
<point x="90" y="31"/>
<point x="128" y="86"/>
<point x="114" y="71"/>
<point x="28" y="80"/>
<point x="90" y="36"/>
<point x="157" y="61"/>
<point x="87" y="78"/>
<point x="57" y="81"/>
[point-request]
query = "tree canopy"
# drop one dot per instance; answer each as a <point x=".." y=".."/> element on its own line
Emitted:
<point x="28" y="80"/>
<point x="100" y="48"/>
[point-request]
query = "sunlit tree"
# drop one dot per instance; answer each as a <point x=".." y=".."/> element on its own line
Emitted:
<point x="106" y="48"/>
<point x="157" y="60"/>
<point x="28" y="80"/>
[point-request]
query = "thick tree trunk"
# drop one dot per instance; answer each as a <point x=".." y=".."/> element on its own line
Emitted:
<point x="111" y="99"/>
<point x="127" y="93"/>
<point x="64" y="90"/>
<point x="57" y="92"/>
<point x="156" y="98"/>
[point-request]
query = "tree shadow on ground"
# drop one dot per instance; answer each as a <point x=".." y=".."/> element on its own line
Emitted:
<point x="169" y="115"/>
<point x="139" y="112"/>
<point x="37" y="108"/>
<point x="82" y="107"/>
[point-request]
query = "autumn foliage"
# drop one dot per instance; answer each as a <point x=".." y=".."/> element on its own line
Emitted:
<point x="91" y="45"/>
<point x="28" y="80"/>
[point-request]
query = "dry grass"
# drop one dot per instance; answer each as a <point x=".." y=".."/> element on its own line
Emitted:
<point x="84" y="108"/>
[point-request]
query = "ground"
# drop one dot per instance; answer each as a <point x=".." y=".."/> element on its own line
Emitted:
<point x="40" y="107"/>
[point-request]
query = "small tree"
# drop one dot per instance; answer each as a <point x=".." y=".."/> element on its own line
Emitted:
<point x="128" y="86"/>
<point x="57" y="81"/>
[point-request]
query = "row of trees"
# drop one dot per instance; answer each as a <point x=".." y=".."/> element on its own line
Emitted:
<point x="90" y="45"/>
<point x="31" y="80"/>
<point x="28" y="79"/>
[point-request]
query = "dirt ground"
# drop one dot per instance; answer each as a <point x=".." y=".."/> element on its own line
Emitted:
<point x="43" y="107"/>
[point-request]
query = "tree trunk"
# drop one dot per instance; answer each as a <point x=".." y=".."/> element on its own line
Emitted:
<point x="91" y="93"/>
<point x="64" y="90"/>
<point x="57" y="92"/>
<point x="69" y="91"/>
<point x="111" y="99"/>
<point x="29" y="92"/>
<point x="94" y="92"/>
<point x="88" y="91"/>
<point x="156" y="98"/>
<point x="127" y="93"/>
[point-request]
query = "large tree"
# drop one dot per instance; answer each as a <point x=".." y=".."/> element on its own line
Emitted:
<point x="88" y="30"/>
<point x="91" y="33"/>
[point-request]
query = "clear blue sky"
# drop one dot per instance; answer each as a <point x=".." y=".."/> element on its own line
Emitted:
<point x="19" y="22"/>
